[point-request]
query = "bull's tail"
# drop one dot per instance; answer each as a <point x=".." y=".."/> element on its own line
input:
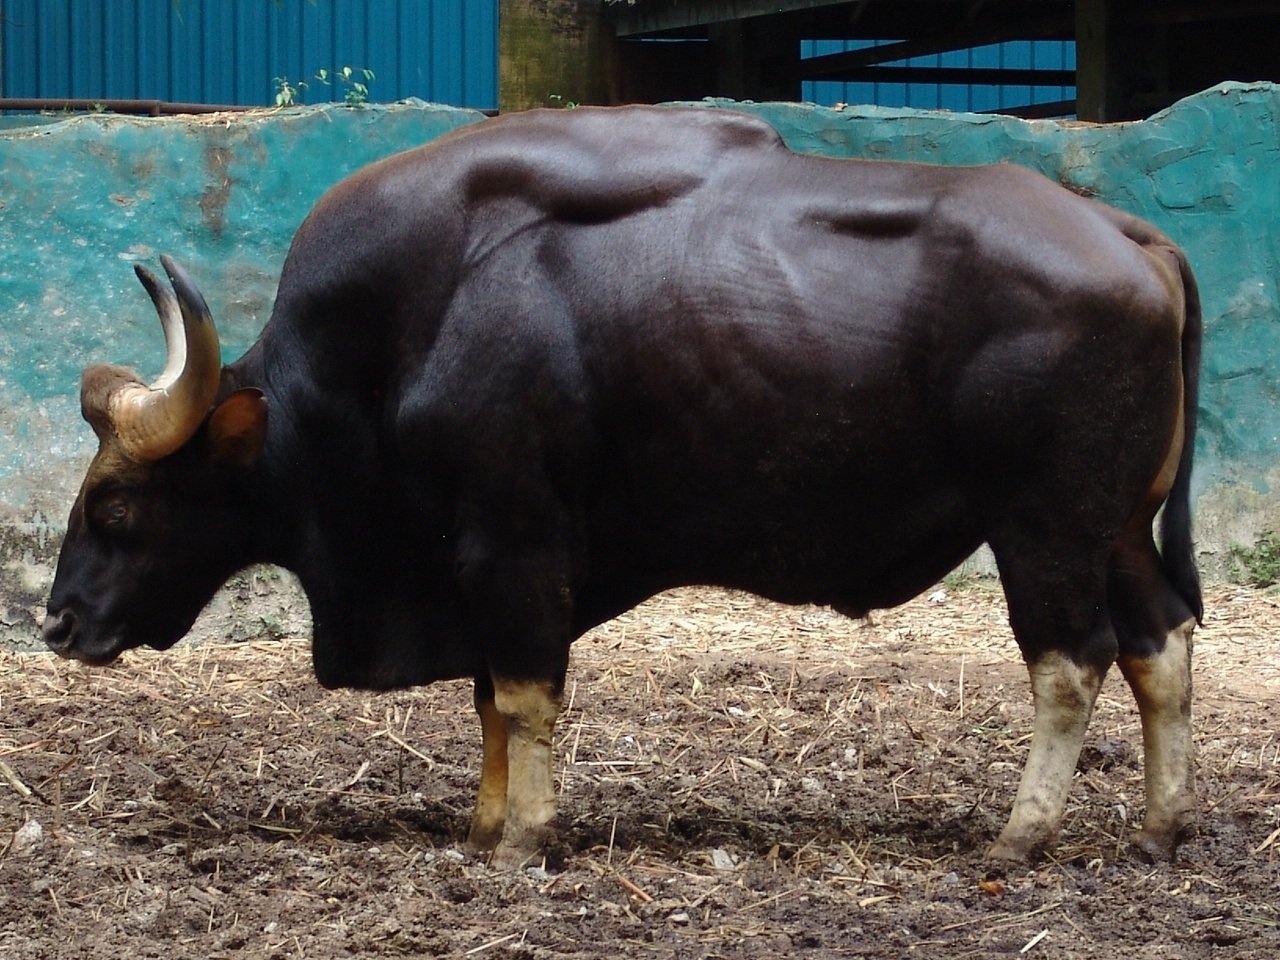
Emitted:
<point x="1176" y="549"/>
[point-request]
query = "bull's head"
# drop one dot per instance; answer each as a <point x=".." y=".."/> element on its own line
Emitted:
<point x="151" y="535"/>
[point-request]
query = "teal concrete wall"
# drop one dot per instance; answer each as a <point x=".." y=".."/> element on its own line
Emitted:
<point x="82" y="199"/>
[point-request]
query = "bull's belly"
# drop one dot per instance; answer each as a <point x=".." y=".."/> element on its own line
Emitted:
<point x="854" y="559"/>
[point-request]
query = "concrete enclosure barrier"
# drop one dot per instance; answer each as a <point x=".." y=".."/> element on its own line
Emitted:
<point x="82" y="199"/>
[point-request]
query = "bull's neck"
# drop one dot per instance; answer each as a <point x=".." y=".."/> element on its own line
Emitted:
<point x="266" y="483"/>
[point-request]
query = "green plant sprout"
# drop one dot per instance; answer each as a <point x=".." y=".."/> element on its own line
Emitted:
<point x="288" y="94"/>
<point x="355" y="83"/>
<point x="1259" y="565"/>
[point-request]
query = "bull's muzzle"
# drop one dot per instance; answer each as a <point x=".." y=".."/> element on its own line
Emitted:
<point x="63" y="633"/>
<point x="60" y="631"/>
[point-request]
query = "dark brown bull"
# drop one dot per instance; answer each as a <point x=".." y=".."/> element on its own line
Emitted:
<point x="520" y="379"/>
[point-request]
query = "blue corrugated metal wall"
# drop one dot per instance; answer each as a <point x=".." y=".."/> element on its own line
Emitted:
<point x="231" y="51"/>
<point x="1020" y="55"/>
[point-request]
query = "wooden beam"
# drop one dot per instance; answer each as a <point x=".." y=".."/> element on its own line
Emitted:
<point x="856" y="12"/>
<point x="729" y="53"/>
<point x="1094" y="78"/>
<point x="647" y="18"/>
<point x="756" y="59"/>
<point x="551" y="54"/>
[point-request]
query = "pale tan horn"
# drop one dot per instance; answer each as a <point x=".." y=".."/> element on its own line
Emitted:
<point x="153" y="422"/>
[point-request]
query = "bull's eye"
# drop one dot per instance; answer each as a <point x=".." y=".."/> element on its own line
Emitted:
<point x="114" y="513"/>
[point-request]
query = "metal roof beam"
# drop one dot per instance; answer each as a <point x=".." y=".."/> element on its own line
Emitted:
<point x="1042" y="28"/>
<point x="1196" y="11"/>
<point x="951" y="75"/>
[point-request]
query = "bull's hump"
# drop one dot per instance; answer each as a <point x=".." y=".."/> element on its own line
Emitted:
<point x="595" y="165"/>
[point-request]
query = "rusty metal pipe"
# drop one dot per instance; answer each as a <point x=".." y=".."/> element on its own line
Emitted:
<point x="150" y="108"/>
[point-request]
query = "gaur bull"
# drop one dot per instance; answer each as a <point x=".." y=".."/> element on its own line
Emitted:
<point x="522" y="378"/>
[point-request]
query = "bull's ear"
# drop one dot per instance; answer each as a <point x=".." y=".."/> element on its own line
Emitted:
<point x="238" y="428"/>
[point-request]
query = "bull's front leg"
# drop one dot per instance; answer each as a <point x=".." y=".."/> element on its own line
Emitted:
<point x="529" y="710"/>
<point x="491" y="799"/>
<point x="515" y="803"/>
<point x="1064" y="694"/>
<point x="521" y="604"/>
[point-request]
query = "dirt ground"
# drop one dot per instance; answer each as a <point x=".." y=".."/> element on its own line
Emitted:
<point x="737" y="780"/>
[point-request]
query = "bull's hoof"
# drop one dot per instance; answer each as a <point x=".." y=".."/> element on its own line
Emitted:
<point x="522" y="848"/>
<point x="1000" y="852"/>
<point x="1017" y="849"/>
<point x="484" y="839"/>
<point x="508" y="856"/>
<point x="1161" y="845"/>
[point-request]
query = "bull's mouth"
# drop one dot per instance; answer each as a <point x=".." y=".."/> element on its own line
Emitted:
<point x="93" y="658"/>
<point x="63" y="633"/>
<point x="98" y="654"/>
<point x="68" y="635"/>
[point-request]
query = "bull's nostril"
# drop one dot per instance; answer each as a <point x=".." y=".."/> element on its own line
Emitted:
<point x="59" y="630"/>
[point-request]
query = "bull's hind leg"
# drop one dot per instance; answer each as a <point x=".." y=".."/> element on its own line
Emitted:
<point x="1064" y="693"/>
<point x="1154" y="627"/>
<point x="1058" y="613"/>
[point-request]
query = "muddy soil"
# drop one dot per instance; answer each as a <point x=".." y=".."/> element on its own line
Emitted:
<point x="737" y="779"/>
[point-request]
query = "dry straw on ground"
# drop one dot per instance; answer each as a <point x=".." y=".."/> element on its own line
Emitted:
<point x="737" y="779"/>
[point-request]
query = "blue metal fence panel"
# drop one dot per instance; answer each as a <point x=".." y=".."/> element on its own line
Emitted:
<point x="238" y="51"/>
<point x="1020" y="54"/>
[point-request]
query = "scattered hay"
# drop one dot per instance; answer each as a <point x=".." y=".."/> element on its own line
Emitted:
<point x="737" y="779"/>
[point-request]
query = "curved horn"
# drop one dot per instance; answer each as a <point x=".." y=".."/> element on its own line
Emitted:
<point x="152" y="422"/>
